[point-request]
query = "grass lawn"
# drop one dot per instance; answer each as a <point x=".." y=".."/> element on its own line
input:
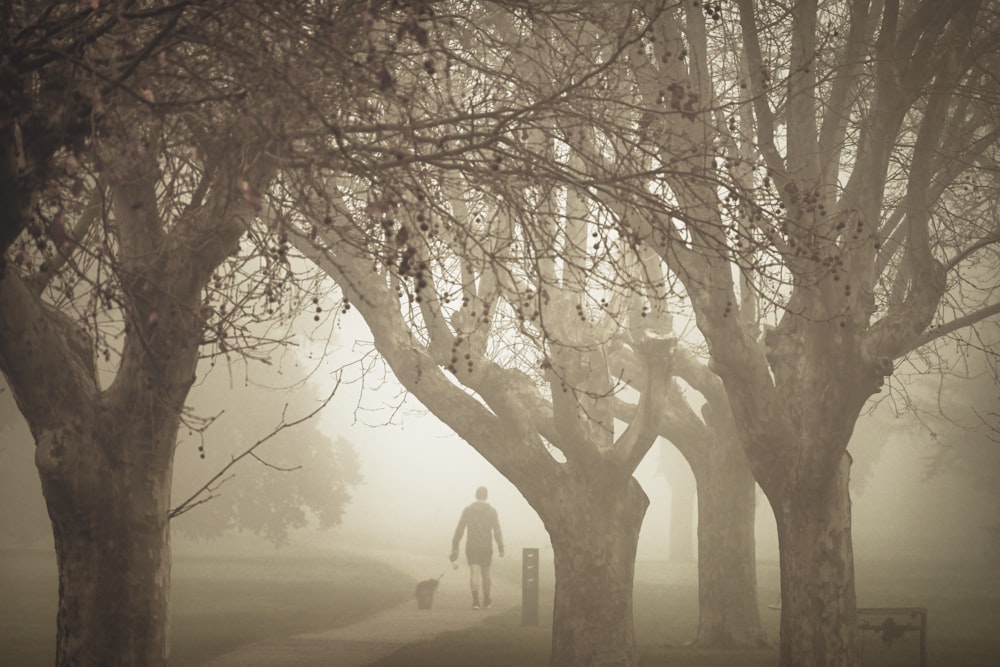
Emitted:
<point x="222" y="603"/>
<point x="218" y="604"/>
<point x="963" y="605"/>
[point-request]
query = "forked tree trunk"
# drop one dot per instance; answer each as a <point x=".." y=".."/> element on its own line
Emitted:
<point x="594" y="543"/>
<point x="727" y="558"/>
<point x="817" y="574"/>
<point x="105" y="455"/>
<point x="108" y="500"/>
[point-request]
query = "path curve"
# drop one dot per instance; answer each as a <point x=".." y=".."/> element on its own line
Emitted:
<point x="377" y="636"/>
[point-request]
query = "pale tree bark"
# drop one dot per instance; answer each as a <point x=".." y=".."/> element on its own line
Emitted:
<point x="796" y="392"/>
<point x="586" y="496"/>
<point x="728" y="611"/>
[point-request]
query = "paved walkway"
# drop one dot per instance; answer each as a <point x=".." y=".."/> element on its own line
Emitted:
<point x="368" y="640"/>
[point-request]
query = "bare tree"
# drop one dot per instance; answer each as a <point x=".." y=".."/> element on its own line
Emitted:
<point x="138" y="139"/>
<point x="726" y="492"/>
<point x="814" y="243"/>
<point x="808" y="166"/>
<point x="474" y="278"/>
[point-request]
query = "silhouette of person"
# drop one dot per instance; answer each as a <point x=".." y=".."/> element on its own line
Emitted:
<point x="481" y="522"/>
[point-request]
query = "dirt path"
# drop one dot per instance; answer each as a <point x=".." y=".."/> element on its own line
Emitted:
<point x="364" y="642"/>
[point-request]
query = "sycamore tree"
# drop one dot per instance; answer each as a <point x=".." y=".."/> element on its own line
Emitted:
<point x="512" y="356"/>
<point x="473" y="272"/>
<point x="819" y="179"/>
<point x="726" y="496"/>
<point x="814" y="183"/>
<point x="515" y="279"/>
<point x="138" y="138"/>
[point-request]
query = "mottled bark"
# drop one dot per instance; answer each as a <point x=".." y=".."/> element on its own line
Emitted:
<point x="817" y="574"/>
<point x="821" y="385"/>
<point x="108" y="508"/>
<point x="104" y="455"/>
<point x="729" y="616"/>
<point x="594" y="541"/>
<point x="104" y="460"/>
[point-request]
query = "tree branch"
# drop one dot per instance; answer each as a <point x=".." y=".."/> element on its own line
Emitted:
<point x="952" y="326"/>
<point x="56" y="377"/>
<point x="656" y="356"/>
<point x="214" y="482"/>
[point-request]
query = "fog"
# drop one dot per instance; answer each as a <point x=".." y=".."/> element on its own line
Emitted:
<point x="418" y="476"/>
<point x="915" y="490"/>
<point x="920" y="490"/>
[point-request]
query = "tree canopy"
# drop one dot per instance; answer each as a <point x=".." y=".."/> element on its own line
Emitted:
<point x="538" y="210"/>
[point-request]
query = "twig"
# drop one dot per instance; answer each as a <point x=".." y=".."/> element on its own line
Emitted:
<point x="214" y="483"/>
<point x="273" y="466"/>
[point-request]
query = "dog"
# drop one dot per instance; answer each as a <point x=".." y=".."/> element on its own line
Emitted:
<point x="425" y="592"/>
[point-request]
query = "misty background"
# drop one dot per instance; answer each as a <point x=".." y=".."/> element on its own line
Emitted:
<point x="922" y="481"/>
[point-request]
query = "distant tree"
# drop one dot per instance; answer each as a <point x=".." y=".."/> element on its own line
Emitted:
<point x="297" y="478"/>
<point x="964" y="432"/>
<point x="725" y="490"/>
<point x="683" y="497"/>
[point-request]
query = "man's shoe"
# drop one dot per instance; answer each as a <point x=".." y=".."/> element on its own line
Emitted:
<point x="487" y="603"/>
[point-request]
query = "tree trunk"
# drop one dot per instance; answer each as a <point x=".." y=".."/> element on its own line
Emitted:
<point x="682" y="500"/>
<point x="817" y="574"/>
<point x="108" y="499"/>
<point x="594" y="540"/>
<point x="729" y="617"/>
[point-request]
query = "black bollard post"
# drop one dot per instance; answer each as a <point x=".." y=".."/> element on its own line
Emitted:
<point x="529" y="587"/>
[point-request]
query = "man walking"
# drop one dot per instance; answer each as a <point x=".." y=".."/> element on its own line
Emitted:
<point x="483" y="525"/>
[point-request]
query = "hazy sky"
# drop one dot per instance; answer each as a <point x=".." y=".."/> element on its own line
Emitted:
<point x="419" y="475"/>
